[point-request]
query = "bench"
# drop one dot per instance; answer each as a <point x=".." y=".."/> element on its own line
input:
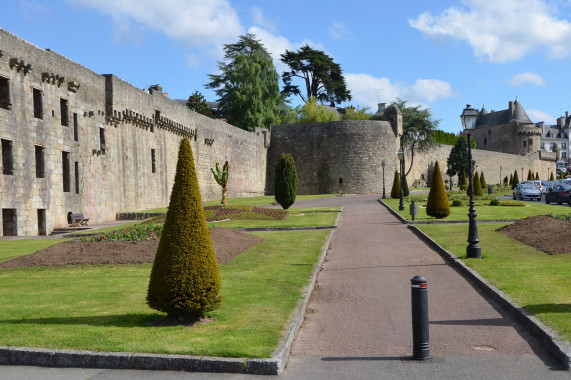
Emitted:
<point x="78" y="220"/>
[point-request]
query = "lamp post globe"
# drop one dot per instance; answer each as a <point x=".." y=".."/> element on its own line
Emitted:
<point x="400" y="155"/>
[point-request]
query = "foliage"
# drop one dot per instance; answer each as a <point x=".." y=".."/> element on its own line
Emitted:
<point x="463" y="181"/>
<point x="483" y="181"/>
<point x="530" y="176"/>
<point x="148" y="231"/>
<point x="185" y="278"/>
<point x="495" y="202"/>
<point x="418" y="129"/>
<point x="357" y="113"/>
<point x="445" y="138"/>
<point x="221" y="177"/>
<point x="536" y="176"/>
<point x="437" y="205"/>
<point x="405" y="189"/>
<point x="477" y="186"/>
<point x="395" y="190"/>
<point x="323" y="77"/>
<point x="285" y="185"/>
<point x="551" y="178"/>
<point x="248" y="86"/>
<point x="311" y="112"/>
<point x="506" y="181"/>
<point x="512" y="181"/>
<point x="515" y="181"/>
<point x="197" y="103"/>
<point x="457" y="203"/>
<point x="457" y="161"/>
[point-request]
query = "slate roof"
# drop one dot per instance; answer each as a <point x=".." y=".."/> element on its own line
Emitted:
<point x="503" y="117"/>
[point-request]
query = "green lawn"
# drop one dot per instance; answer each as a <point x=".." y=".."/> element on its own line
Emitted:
<point x="103" y="308"/>
<point x="297" y="219"/>
<point x="483" y="210"/>
<point x="535" y="280"/>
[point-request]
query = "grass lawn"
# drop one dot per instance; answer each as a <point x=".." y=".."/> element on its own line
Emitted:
<point x="484" y="211"/>
<point x="535" y="280"/>
<point x="297" y="219"/>
<point x="103" y="308"/>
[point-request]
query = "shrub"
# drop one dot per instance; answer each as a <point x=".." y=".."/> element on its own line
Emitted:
<point x="495" y="202"/>
<point x="457" y="203"/>
<point x="285" y="182"/>
<point x="185" y="278"/>
<point x="551" y="178"/>
<point x="530" y="176"/>
<point x="405" y="190"/>
<point x="515" y="181"/>
<point x="462" y="182"/>
<point x="483" y="181"/>
<point x="478" y="192"/>
<point x="437" y="205"/>
<point x="536" y="176"/>
<point x="395" y="191"/>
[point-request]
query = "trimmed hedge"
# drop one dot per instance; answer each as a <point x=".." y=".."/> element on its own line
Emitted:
<point x="437" y="205"/>
<point x="285" y="185"/>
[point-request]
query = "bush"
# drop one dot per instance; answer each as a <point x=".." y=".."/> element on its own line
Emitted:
<point x="405" y="190"/>
<point x="437" y="205"/>
<point x="463" y="182"/>
<point x="395" y="191"/>
<point x="515" y="181"/>
<point x="457" y="203"/>
<point x="483" y="181"/>
<point x="495" y="202"/>
<point x="185" y="278"/>
<point x="285" y="182"/>
<point x="478" y="192"/>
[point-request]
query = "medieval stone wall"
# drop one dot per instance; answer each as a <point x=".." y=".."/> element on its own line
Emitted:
<point x="104" y="152"/>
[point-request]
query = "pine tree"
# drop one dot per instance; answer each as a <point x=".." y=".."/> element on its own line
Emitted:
<point x="483" y="181"/>
<point x="285" y="185"/>
<point x="437" y="205"/>
<point x="395" y="191"/>
<point x="185" y="279"/>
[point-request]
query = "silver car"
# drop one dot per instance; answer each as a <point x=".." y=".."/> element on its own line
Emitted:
<point x="526" y="190"/>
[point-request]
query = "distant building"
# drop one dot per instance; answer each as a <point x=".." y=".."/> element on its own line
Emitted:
<point x="556" y="138"/>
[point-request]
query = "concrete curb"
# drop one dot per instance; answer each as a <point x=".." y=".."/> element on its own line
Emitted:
<point x="26" y="356"/>
<point x="558" y="346"/>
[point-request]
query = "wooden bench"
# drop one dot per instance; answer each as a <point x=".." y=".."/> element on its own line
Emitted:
<point x="78" y="220"/>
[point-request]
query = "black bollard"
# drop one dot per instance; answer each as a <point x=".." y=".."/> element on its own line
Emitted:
<point x="419" y="297"/>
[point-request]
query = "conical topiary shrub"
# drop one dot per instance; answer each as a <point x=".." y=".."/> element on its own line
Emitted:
<point x="536" y="176"/>
<point x="463" y="182"/>
<point x="405" y="190"/>
<point x="477" y="186"/>
<point x="285" y="182"/>
<point x="395" y="190"/>
<point x="529" y="175"/>
<point x="511" y="180"/>
<point x="437" y="205"/>
<point x="551" y="177"/>
<point x="516" y="180"/>
<point x="185" y="279"/>
<point x="483" y="181"/>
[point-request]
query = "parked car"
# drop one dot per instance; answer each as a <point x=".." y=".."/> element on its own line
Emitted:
<point x="526" y="190"/>
<point x="558" y="192"/>
<point x="541" y="185"/>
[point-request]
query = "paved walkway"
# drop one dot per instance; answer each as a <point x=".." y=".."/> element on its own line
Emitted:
<point x="358" y="322"/>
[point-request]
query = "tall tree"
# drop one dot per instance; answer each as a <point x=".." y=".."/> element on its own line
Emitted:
<point x="197" y="103"/>
<point x="418" y="129"/>
<point x="458" y="158"/>
<point x="248" y="86"/>
<point x="323" y="77"/>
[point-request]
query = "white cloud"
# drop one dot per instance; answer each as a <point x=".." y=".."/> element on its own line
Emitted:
<point x="520" y="80"/>
<point x="500" y="31"/>
<point x="366" y="90"/>
<point x="193" y="23"/>
<point x="339" y="31"/>
<point x="537" y="116"/>
<point x="262" y="21"/>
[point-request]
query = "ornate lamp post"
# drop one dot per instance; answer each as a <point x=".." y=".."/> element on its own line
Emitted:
<point x="473" y="250"/>
<point x="450" y="176"/>
<point x="383" y="165"/>
<point x="400" y="155"/>
<point x="501" y="183"/>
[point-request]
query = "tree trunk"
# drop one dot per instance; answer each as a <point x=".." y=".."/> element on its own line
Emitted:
<point x="223" y="196"/>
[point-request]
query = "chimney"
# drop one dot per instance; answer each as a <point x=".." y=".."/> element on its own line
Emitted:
<point x="512" y="108"/>
<point x="381" y="108"/>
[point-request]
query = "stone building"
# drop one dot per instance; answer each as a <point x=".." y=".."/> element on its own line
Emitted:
<point x="507" y="131"/>
<point x="556" y="138"/>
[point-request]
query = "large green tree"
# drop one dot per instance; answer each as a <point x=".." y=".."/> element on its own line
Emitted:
<point x="418" y="129"/>
<point x="458" y="158"/>
<point x="197" y="103"/>
<point x="323" y="78"/>
<point x="248" y="84"/>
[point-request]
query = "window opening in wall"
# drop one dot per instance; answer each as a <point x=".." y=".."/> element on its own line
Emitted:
<point x="530" y="142"/>
<point x="38" y="104"/>
<point x="543" y="146"/>
<point x="76" y="167"/>
<point x="563" y="145"/>
<point x="563" y="154"/>
<point x="153" y="162"/>
<point x="42" y="231"/>
<point x="157" y="120"/>
<point x="65" y="170"/>
<point x="5" y="93"/>
<point x="102" y="140"/>
<point x="7" y="158"/>
<point x="524" y="143"/>
<point x="9" y="222"/>
<point x="340" y="180"/>
<point x="553" y="147"/>
<point x="75" y="127"/>
<point x="64" y="112"/>
<point x="40" y="164"/>
<point x="485" y="141"/>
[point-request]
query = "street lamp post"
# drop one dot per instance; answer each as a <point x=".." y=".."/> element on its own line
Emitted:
<point x="473" y="250"/>
<point x="400" y="155"/>
<point x="450" y="176"/>
<point x="383" y="165"/>
<point x="501" y="183"/>
<point x="521" y="175"/>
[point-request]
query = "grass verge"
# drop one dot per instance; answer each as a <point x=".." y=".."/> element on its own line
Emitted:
<point x="538" y="282"/>
<point x="103" y="308"/>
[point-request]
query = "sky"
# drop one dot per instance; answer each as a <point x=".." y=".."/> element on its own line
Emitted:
<point x="440" y="54"/>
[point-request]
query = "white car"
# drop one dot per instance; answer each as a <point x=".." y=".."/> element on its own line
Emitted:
<point x="526" y="190"/>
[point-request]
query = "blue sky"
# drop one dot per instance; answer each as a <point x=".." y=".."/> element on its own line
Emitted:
<point x="440" y="54"/>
